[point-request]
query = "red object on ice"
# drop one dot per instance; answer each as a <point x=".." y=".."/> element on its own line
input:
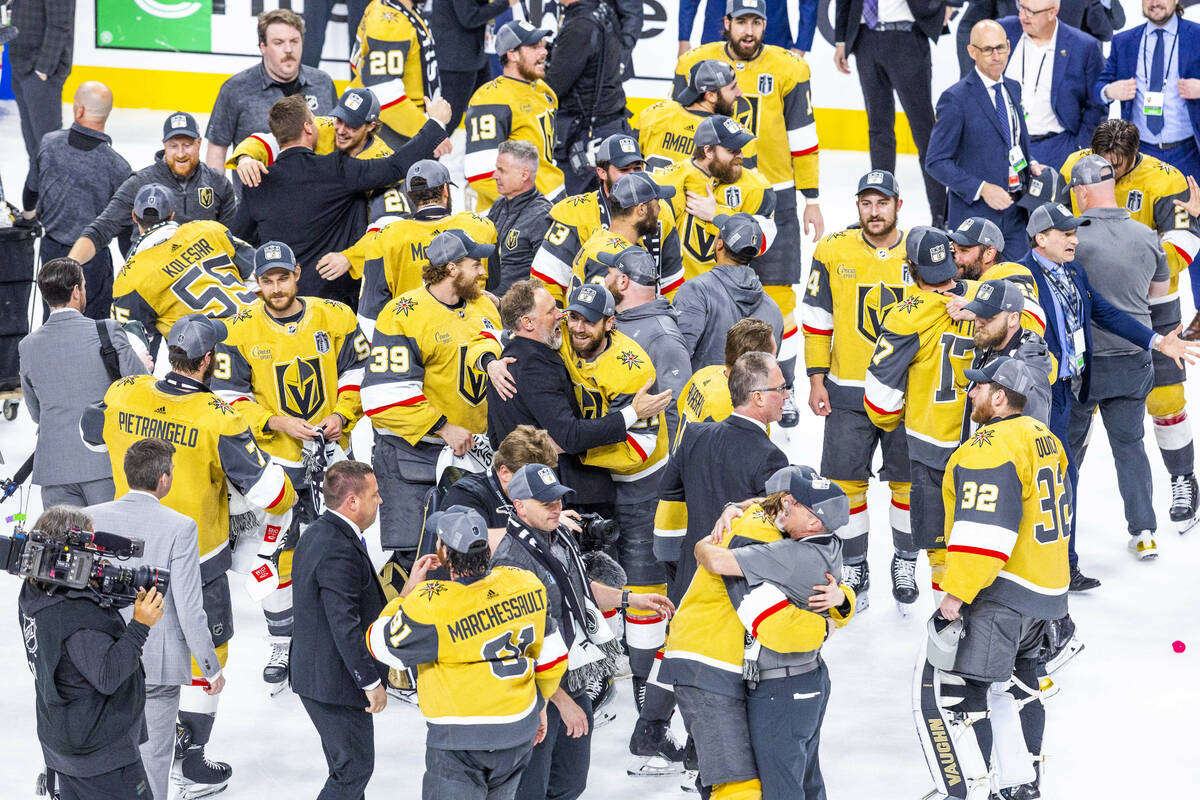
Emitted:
<point x="1179" y="646"/>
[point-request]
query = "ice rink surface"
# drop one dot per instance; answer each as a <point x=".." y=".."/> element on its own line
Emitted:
<point x="1122" y="726"/>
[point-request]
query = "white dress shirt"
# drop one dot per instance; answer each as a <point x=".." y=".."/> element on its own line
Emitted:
<point x="1014" y="130"/>
<point x="1032" y="66"/>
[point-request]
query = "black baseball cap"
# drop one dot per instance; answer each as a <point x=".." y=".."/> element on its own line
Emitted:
<point x="180" y="123"/>
<point x="820" y="495"/>
<point x="931" y="254"/>
<point x="879" y="180"/>
<point x="274" y="255"/>
<point x="592" y="301"/>
<point x="536" y="482"/>
<point x="994" y="297"/>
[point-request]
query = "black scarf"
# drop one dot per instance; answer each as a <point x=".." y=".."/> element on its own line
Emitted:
<point x="574" y="611"/>
<point x="425" y="44"/>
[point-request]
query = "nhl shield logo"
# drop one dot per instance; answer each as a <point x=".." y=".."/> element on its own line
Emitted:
<point x="321" y="339"/>
<point x="733" y="196"/>
<point x="766" y="83"/>
<point x="311" y="99"/>
<point x="205" y="195"/>
<point x="1134" y="202"/>
<point x="510" y="241"/>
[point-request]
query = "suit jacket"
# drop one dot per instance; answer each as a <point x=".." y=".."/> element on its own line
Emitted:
<point x="1077" y="64"/>
<point x="1122" y="63"/>
<point x="1091" y="17"/>
<point x="967" y="144"/>
<point x="61" y="375"/>
<point x="1096" y="310"/>
<point x="336" y="595"/>
<point x="170" y="539"/>
<point x="930" y="16"/>
<point x="458" y="27"/>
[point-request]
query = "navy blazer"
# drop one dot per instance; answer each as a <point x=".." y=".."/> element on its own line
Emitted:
<point x="1122" y="63"/>
<point x="336" y="595"/>
<point x="967" y="143"/>
<point x="1077" y="64"/>
<point x="1096" y="309"/>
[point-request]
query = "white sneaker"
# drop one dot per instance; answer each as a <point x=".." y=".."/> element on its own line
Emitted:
<point x="1142" y="545"/>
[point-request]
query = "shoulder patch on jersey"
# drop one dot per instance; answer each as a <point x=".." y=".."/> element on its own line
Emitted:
<point x="982" y="437"/>
<point x="630" y="359"/>
<point x="128" y="380"/>
<point x="431" y="589"/>
<point x="909" y="304"/>
<point x="241" y="316"/>
<point x="1134" y="201"/>
<point x="404" y="305"/>
<point x="220" y="405"/>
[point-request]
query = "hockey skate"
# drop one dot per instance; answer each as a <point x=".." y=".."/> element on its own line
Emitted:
<point x="401" y="686"/>
<point x="1184" y="493"/>
<point x="904" y="583"/>
<point x="1142" y="545"/>
<point x="1063" y="645"/>
<point x="858" y="578"/>
<point x="657" y="750"/>
<point x="600" y="690"/>
<point x="275" y="673"/>
<point x="196" y="776"/>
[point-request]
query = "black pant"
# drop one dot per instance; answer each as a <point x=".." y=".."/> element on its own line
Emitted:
<point x="348" y="739"/>
<point x="457" y="88"/>
<point x="124" y="783"/>
<point x="39" y="104"/>
<point x="898" y="61"/>
<point x="97" y="274"/>
<point x="316" y="17"/>
<point x="558" y="769"/>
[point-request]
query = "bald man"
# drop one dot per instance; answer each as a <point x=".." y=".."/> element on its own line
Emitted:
<point x="71" y="178"/>
<point x="980" y="146"/>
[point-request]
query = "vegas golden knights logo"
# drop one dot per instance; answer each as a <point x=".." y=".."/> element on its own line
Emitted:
<point x="874" y="302"/>
<point x="301" y="387"/>
<point x="472" y="384"/>
<point x="591" y="404"/>
<point x="698" y="240"/>
<point x="510" y="241"/>
<point x="205" y="194"/>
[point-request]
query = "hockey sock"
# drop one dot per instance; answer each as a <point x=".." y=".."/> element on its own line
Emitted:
<point x="902" y="537"/>
<point x="854" y="533"/>
<point x="658" y="703"/>
<point x="1167" y="406"/>
<point x="937" y="567"/>
<point x="785" y="298"/>
<point x="277" y="608"/>
<point x="975" y="705"/>
<point x="645" y="632"/>
<point x="197" y="712"/>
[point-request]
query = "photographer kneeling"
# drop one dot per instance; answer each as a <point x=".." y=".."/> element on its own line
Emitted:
<point x="87" y="667"/>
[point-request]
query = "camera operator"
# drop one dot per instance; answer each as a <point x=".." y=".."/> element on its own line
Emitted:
<point x="487" y="492"/>
<point x="585" y="74"/>
<point x="91" y="689"/>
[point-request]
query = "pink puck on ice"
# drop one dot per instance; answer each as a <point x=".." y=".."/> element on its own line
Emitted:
<point x="1178" y="646"/>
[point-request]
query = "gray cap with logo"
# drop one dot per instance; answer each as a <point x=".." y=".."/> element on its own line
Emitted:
<point x="931" y="254"/>
<point x="462" y="529"/>
<point x="719" y="129"/>
<point x="822" y="496"/>
<point x="994" y="297"/>
<point x="274" y="255"/>
<point x="426" y="174"/>
<point x="879" y="180"/>
<point x="739" y="8"/>
<point x="1005" y="371"/>
<point x="620" y="150"/>
<point x="196" y="334"/>
<point x="637" y="264"/>
<point x="516" y="34"/>
<point x="1053" y="215"/>
<point x="708" y="75"/>
<point x="639" y="187"/>
<point x="536" y="482"/>
<point x="453" y="245"/>
<point x="153" y="199"/>
<point x="180" y="123"/>
<point x="741" y="234"/>
<point x="357" y="107"/>
<point x="1091" y="169"/>
<point x="977" y="230"/>
<point x="592" y="301"/>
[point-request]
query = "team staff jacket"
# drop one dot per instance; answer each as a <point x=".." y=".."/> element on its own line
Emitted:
<point x="509" y="108"/>
<point x="387" y="59"/>
<point x="776" y="106"/>
<point x="175" y="270"/>
<point x="487" y="655"/>
<point x="576" y="220"/>
<point x="1008" y="518"/>
<point x="418" y="377"/>
<point x="521" y="223"/>
<point x="212" y="444"/>
<point x="706" y="641"/>
<point x="306" y="367"/>
<point x="666" y="133"/>
<point x="749" y="193"/>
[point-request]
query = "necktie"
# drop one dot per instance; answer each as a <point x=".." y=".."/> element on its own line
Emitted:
<point x="871" y="13"/>
<point x="1157" y="75"/>
<point x="1002" y="114"/>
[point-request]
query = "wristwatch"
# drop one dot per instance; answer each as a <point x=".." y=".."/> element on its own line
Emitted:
<point x="624" y="599"/>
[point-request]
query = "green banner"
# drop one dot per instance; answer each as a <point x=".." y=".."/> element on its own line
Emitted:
<point x="169" y="25"/>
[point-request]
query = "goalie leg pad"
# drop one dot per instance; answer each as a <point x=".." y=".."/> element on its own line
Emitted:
<point x="951" y="718"/>
<point x="1013" y="766"/>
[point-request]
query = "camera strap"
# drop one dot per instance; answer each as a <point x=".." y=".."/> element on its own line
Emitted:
<point x="108" y="353"/>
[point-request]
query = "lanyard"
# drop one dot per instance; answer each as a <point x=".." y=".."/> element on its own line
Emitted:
<point x="1038" y="80"/>
<point x="1170" y="54"/>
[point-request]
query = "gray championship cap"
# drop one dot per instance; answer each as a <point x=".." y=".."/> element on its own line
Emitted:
<point x="536" y="482"/>
<point x="709" y="75"/>
<point x="620" y="150"/>
<point x="1007" y="372"/>
<point x="1091" y="169"/>
<point x="196" y="334"/>
<point x="153" y="198"/>
<point x="740" y="8"/>
<point x="637" y="264"/>
<point x="879" y="180"/>
<point x="453" y="245"/>
<point x="929" y="251"/>
<point x="274" y="255"/>
<point x="1053" y="215"/>
<point x="639" y="187"/>
<point x="357" y="107"/>
<point x="977" y="230"/>
<point x="180" y="123"/>
<point x="822" y="496"/>
<point x="462" y="529"/>
<point x="995" y="297"/>
<point x="518" y="34"/>
<point x="1049" y="187"/>
<point x="592" y="301"/>
<point x="719" y="129"/>
<point x="741" y="234"/>
<point x="426" y="174"/>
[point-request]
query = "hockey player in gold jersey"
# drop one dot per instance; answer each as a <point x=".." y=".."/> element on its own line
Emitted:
<point x="517" y="105"/>
<point x="857" y="277"/>
<point x="584" y="222"/>
<point x="418" y="388"/>
<point x="978" y="243"/>
<point x="291" y="367"/>
<point x="488" y="658"/>
<point x="213" y="446"/>
<point x="394" y="58"/>
<point x="665" y="129"/>
<point x="705" y="397"/>
<point x="175" y="270"/>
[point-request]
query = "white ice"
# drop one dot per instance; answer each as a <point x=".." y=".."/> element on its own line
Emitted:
<point x="1122" y="726"/>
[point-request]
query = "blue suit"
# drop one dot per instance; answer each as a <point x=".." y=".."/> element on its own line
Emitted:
<point x="967" y="147"/>
<point x="1077" y="64"/>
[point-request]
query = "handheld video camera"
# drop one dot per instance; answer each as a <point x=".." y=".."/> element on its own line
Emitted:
<point x="80" y="561"/>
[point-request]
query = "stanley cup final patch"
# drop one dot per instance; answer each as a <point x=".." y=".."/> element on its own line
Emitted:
<point x="766" y="83"/>
<point x="354" y="101"/>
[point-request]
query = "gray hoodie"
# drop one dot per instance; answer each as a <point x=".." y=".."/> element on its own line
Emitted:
<point x="655" y="327"/>
<point x="1029" y="348"/>
<point x="712" y="303"/>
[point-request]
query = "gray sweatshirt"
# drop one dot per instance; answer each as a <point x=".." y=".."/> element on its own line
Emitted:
<point x="655" y="327"/>
<point x="712" y="303"/>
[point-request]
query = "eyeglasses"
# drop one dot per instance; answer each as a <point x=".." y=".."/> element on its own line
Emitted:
<point x="780" y="388"/>
<point x="1029" y="12"/>
<point x="999" y="49"/>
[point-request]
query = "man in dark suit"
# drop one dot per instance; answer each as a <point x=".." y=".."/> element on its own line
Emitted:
<point x="1089" y="16"/>
<point x="458" y="27"/>
<point x="337" y="596"/>
<point x="1154" y="70"/>
<point x="980" y="145"/>
<point x="1057" y="66"/>
<point x="891" y="44"/>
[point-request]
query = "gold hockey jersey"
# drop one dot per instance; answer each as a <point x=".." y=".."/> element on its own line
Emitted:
<point x="1033" y="316"/>
<point x="486" y="653"/>
<point x="508" y="108"/>
<point x="387" y="60"/>
<point x="308" y="368"/>
<point x="776" y="107"/>
<point x="851" y="287"/>
<point x="418" y="377"/>
<point x="666" y="132"/>
<point x="705" y="398"/>
<point x="1008" y="512"/>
